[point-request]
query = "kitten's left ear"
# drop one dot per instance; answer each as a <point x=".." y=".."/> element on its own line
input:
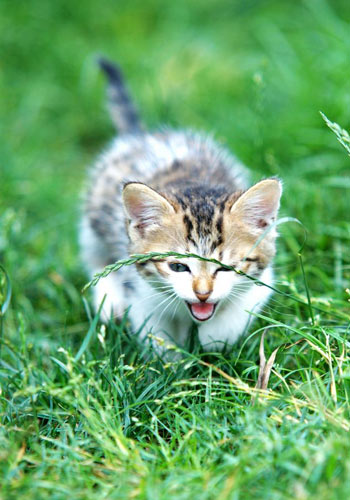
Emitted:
<point x="258" y="207"/>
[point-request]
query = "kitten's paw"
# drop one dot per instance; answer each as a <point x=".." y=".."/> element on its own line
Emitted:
<point x="108" y="291"/>
<point x="110" y="310"/>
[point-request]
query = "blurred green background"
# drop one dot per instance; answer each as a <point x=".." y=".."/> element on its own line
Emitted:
<point x="253" y="73"/>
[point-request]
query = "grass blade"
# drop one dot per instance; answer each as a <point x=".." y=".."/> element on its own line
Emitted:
<point x="5" y="304"/>
<point x="90" y="333"/>
<point x="341" y="134"/>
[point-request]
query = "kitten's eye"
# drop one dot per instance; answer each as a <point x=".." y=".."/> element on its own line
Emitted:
<point x="251" y="259"/>
<point x="223" y="269"/>
<point x="179" y="268"/>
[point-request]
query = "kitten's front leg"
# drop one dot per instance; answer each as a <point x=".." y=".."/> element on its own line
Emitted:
<point x="111" y="290"/>
<point x="164" y="330"/>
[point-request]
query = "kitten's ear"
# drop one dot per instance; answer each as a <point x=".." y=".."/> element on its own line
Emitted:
<point x="144" y="206"/>
<point x="258" y="207"/>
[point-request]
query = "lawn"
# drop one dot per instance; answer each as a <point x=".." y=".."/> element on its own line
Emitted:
<point x="85" y="411"/>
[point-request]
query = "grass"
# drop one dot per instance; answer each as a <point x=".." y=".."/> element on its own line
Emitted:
<point x="86" y="412"/>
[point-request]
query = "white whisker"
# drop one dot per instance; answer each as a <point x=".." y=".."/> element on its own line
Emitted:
<point x="174" y="312"/>
<point x="165" y="300"/>
<point x="154" y="295"/>
<point x="165" y="308"/>
<point x="160" y="288"/>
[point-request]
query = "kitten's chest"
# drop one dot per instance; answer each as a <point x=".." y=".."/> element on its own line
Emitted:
<point x="161" y="313"/>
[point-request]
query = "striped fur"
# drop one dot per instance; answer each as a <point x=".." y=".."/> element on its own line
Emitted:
<point x="121" y="108"/>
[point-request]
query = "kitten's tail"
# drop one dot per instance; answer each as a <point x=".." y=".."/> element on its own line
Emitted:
<point x="121" y="108"/>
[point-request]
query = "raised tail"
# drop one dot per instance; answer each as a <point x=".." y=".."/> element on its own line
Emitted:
<point x="121" y="108"/>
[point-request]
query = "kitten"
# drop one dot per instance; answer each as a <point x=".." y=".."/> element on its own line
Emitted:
<point x="176" y="191"/>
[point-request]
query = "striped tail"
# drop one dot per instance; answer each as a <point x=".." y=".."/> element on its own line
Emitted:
<point x="121" y="108"/>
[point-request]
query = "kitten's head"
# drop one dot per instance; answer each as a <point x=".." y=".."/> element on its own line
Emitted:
<point x="208" y="222"/>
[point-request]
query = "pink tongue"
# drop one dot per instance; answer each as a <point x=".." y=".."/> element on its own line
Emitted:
<point x="202" y="310"/>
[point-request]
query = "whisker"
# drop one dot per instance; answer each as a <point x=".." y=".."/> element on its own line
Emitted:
<point x="234" y="296"/>
<point x="160" y="288"/>
<point x="236" y="293"/>
<point x="160" y="317"/>
<point x="156" y="295"/>
<point x="241" y="288"/>
<point x="165" y="300"/>
<point x="171" y="299"/>
<point x="115" y="316"/>
<point x="174" y="312"/>
<point x="152" y="296"/>
<point x="159" y="281"/>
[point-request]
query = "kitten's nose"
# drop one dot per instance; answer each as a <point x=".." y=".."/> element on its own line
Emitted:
<point x="202" y="296"/>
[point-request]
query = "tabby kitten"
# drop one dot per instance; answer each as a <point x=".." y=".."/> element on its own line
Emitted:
<point x="176" y="191"/>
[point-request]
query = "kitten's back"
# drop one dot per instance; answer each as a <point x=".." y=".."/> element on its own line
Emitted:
<point x="181" y="164"/>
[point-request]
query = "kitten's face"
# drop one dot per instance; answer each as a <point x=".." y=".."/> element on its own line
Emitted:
<point x="213" y="225"/>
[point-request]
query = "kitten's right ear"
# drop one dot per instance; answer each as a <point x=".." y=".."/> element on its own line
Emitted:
<point x="258" y="206"/>
<point x="144" y="206"/>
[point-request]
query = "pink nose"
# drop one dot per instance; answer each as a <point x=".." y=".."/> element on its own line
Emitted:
<point x="202" y="296"/>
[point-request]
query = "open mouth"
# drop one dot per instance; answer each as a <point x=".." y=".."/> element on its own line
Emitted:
<point x="202" y="311"/>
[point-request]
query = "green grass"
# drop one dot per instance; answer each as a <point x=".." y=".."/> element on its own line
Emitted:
<point x="86" y="412"/>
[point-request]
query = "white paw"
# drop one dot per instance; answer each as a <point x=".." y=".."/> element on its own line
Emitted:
<point x="109" y="291"/>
